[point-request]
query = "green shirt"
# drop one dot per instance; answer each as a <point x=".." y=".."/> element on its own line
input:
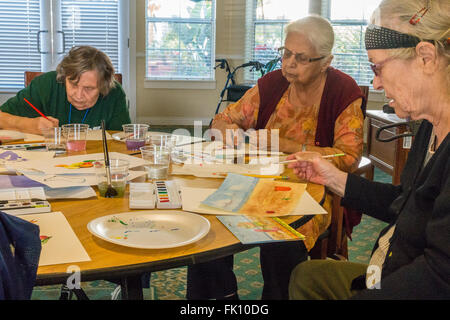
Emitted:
<point x="50" y="97"/>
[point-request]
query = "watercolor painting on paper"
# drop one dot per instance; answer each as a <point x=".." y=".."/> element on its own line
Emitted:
<point x="256" y="196"/>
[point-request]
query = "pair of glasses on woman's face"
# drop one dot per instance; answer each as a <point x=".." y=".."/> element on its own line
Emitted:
<point x="376" y="67"/>
<point x="299" y="57"/>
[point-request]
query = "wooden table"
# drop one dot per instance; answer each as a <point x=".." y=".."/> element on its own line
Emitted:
<point x="111" y="261"/>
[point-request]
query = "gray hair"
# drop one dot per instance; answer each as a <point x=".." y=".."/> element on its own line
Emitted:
<point x="434" y="25"/>
<point x="86" y="58"/>
<point x="317" y="29"/>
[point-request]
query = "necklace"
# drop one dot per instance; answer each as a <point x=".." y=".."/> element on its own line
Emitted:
<point x="70" y="114"/>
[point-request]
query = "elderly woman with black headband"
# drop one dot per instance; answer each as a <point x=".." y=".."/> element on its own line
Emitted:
<point x="408" y="43"/>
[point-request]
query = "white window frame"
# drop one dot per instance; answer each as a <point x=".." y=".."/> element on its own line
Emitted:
<point x="183" y="83"/>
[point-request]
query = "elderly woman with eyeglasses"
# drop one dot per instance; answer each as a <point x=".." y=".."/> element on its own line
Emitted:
<point x="313" y="107"/>
<point x="408" y="43"/>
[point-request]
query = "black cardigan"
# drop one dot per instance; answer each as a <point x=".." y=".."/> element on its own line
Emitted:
<point x="417" y="264"/>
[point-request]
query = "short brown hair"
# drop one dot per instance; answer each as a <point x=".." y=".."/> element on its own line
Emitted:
<point x="87" y="58"/>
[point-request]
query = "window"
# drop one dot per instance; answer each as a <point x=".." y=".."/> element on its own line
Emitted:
<point x="36" y="34"/>
<point x="180" y="36"/>
<point x="93" y="23"/>
<point x="19" y="24"/>
<point x="266" y="19"/>
<point x="349" y="19"/>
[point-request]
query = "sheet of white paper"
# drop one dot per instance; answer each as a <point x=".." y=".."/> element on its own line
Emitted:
<point x="70" y="193"/>
<point x="11" y="135"/>
<point x="192" y="198"/>
<point x="97" y="135"/>
<point x="59" y="243"/>
<point x="213" y="152"/>
<point x="51" y="166"/>
<point x="74" y="180"/>
<point x="219" y="170"/>
<point x="10" y="159"/>
<point x="22" y="193"/>
<point x="182" y="139"/>
<point x="33" y="137"/>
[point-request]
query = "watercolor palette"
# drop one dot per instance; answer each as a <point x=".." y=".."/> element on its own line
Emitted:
<point x="26" y="146"/>
<point x="153" y="229"/>
<point x="18" y="207"/>
<point x="167" y="195"/>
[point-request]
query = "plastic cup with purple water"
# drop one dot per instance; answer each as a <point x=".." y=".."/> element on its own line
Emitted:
<point x="135" y="135"/>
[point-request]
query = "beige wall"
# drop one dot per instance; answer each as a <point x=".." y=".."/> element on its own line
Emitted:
<point x="183" y="106"/>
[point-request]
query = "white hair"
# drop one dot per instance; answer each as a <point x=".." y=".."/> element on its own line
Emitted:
<point x="318" y="31"/>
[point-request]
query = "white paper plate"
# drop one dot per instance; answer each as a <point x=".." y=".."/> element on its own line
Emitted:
<point x="9" y="135"/>
<point x="150" y="229"/>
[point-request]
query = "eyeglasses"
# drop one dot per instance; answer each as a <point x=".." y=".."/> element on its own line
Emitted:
<point x="376" y="67"/>
<point x="299" y="57"/>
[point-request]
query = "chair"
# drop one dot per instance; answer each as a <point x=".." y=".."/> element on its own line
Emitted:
<point x="333" y="242"/>
<point x="30" y="75"/>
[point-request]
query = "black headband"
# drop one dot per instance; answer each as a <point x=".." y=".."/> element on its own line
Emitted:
<point x="383" y="38"/>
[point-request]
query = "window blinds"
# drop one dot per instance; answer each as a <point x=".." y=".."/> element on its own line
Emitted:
<point x="349" y="19"/>
<point x="94" y="23"/>
<point x="19" y="24"/>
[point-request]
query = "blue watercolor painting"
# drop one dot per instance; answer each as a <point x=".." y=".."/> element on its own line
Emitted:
<point x="233" y="192"/>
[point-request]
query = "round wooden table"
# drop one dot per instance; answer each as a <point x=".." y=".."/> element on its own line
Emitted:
<point x="125" y="264"/>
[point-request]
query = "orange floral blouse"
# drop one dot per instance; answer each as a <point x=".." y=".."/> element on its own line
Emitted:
<point x="299" y="124"/>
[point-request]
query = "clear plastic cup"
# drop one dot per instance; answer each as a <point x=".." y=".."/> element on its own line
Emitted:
<point x="164" y="140"/>
<point x="157" y="161"/>
<point x="118" y="172"/>
<point x="54" y="139"/>
<point x="135" y="135"/>
<point x="75" y="135"/>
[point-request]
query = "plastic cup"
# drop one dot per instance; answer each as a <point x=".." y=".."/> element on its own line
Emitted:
<point x="135" y="135"/>
<point x="75" y="135"/>
<point x="164" y="140"/>
<point x="118" y="172"/>
<point x="54" y="139"/>
<point x="157" y="161"/>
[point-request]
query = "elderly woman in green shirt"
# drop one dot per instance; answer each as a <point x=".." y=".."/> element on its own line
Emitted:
<point x="81" y="90"/>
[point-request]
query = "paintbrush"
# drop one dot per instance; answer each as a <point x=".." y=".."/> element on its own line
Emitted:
<point x="36" y="109"/>
<point x="110" y="191"/>
<point x="323" y="157"/>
